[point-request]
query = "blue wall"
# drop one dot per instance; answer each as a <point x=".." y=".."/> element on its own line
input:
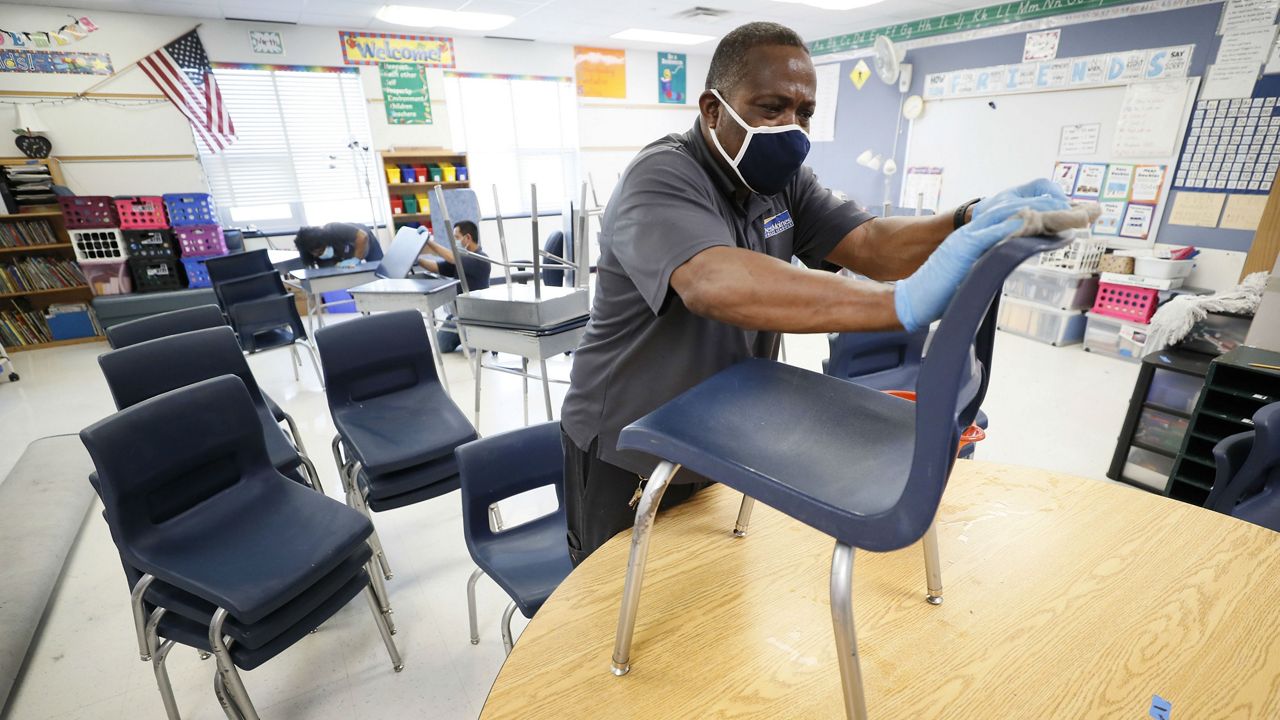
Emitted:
<point x="866" y="118"/>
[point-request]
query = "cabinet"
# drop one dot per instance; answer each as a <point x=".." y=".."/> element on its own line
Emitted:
<point x="410" y="176"/>
<point x="38" y="268"/>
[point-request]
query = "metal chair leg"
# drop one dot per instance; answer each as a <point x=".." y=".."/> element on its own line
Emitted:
<point x="646" y="510"/>
<point x="315" y="360"/>
<point x="293" y="433"/>
<point x="507" y="642"/>
<point x="227" y="667"/>
<point x="524" y="384"/>
<point x="220" y="690"/>
<point x="932" y="565"/>
<point x="744" y="516"/>
<point x="477" y="366"/>
<point x="312" y="474"/>
<point x="381" y="594"/>
<point x="546" y="388"/>
<point x="297" y="362"/>
<point x="855" y="703"/>
<point x="160" y="651"/>
<point x="356" y="499"/>
<point x="140" y="615"/>
<point x="471" y="605"/>
<point x="384" y="630"/>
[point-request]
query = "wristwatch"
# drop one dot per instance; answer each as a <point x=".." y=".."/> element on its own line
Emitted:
<point x="958" y="220"/>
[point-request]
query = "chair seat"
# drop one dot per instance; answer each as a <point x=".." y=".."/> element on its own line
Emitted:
<point x="425" y="492"/>
<point x="270" y="339"/>
<point x="404" y="429"/>
<point x="529" y="563"/>
<point x="280" y="538"/>
<point x="382" y="487"/>
<point x="825" y="451"/>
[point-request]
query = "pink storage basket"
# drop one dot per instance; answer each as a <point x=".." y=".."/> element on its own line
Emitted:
<point x="88" y="211"/>
<point x="141" y="213"/>
<point x="200" y="241"/>
<point x="1135" y="304"/>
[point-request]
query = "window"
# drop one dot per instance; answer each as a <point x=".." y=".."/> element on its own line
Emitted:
<point x="292" y="164"/>
<point x="516" y="131"/>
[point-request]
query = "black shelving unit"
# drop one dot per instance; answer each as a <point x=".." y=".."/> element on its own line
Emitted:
<point x="1168" y="387"/>
<point x="1235" y="387"/>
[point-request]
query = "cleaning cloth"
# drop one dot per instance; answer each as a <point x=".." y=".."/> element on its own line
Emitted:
<point x="1049" y="222"/>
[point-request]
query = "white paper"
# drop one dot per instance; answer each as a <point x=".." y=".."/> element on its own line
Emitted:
<point x="822" y="126"/>
<point x="1273" y="63"/>
<point x="1245" y="14"/>
<point x="1041" y="45"/>
<point x="1147" y="181"/>
<point x="1077" y="140"/>
<point x="921" y="185"/>
<point x="1246" y="47"/>
<point x="1224" y="82"/>
<point x="1150" y="119"/>
<point x="1137" y="221"/>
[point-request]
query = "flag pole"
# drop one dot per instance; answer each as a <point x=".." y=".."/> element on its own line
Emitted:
<point x="124" y="69"/>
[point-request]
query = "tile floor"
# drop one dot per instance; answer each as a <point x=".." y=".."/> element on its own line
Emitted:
<point x="1058" y="408"/>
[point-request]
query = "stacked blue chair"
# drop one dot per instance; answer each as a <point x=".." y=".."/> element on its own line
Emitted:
<point x="174" y="322"/>
<point x="530" y="560"/>
<point x="1247" y="483"/>
<point x="397" y="427"/>
<point x="221" y="552"/>
<point x="864" y="467"/>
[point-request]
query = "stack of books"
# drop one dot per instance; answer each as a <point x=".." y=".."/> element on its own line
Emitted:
<point x="23" y="327"/>
<point x="26" y="233"/>
<point x="39" y="274"/>
<point x="29" y="185"/>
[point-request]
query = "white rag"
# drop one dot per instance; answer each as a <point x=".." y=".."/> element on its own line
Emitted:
<point x="1080" y="215"/>
<point x="1174" y="319"/>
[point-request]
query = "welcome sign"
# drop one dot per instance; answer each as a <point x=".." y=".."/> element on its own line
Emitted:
<point x="361" y="48"/>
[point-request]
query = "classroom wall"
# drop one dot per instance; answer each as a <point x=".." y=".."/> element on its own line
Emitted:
<point x="867" y="118"/>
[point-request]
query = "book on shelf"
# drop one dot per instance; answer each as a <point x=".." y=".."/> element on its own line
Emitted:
<point x="26" y="233"/>
<point x="22" y="326"/>
<point x="38" y="273"/>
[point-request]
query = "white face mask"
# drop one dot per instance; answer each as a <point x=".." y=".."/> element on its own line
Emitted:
<point x="770" y="155"/>
<point x="327" y="254"/>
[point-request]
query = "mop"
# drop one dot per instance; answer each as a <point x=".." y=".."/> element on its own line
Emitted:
<point x="1174" y="319"/>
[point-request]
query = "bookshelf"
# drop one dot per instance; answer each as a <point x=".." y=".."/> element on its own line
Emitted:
<point x="24" y="243"/>
<point x="392" y="160"/>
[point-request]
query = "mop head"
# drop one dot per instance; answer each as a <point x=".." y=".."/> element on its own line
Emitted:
<point x="1077" y="217"/>
<point x="1174" y="319"/>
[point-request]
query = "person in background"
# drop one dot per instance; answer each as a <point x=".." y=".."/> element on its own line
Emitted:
<point x="476" y="270"/>
<point x="337" y="244"/>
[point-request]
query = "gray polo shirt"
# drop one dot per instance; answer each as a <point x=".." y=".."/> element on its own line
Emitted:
<point x="643" y="347"/>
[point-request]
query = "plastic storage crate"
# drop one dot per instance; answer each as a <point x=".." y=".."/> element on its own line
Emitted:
<point x="200" y="241"/>
<point x="1040" y="322"/>
<point x="88" y="211"/>
<point x="150" y="243"/>
<point x="154" y="275"/>
<point x="108" y="278"/>
<point x="101" y="245"/>
<point x="1217" y="333"/>
<point x="1056" y="288"/>
<point x="196" y="272"/>
<point x="141" y="213"/>
<point x="1117" y="338"/>
<point x="1081" y="256"/>
<point x="190" y="209"/>
<point x="1148" y="468"/>
<point x="1126" y="302"/>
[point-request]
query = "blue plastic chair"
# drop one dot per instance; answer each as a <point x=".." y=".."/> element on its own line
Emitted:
<point x="222" y="552"/>
<point x="1247" y="482"/>
<point x="864" y="467"/>
<point x="530" y="560"/>
<point x="397" y="427"/>
<point x="174" y="322"/>
<point x="142" y="371"/>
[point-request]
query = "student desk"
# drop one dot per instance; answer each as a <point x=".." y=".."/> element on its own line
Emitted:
<point x="424" y="294"/>
<point x="1064" y="598"/>
<point x="314" y="282"/>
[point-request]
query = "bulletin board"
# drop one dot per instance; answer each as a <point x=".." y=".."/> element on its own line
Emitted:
<point x="1008" y="138"/>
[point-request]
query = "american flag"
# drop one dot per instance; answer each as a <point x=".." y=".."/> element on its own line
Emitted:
<point x="181" y="70"/>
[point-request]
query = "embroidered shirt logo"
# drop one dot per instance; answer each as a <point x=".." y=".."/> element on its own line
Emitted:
<point x="778" y="223"/>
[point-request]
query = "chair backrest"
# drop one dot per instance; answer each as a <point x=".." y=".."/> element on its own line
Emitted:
<point x="158" y="459"/>
<point x="375" y="355"/>
<point x="1249" y="471"/>
<point x="555" y="246"/>
<point x="502" y="466"/>
<point x="140" y="372"/>
<point x="230" y="267"/>
<point x="165" y="324"/>
<point x="946" y="375"/>
<point x="249" y="287"/>
<point x="855" y="355"/>
<point x="403" y="254"/>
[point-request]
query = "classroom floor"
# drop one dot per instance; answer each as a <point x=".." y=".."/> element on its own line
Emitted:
<point x="1057" y="408"/>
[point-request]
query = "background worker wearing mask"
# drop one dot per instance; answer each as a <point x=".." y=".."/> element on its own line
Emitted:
<point x="337" y="244"/>
<point x="694" y="271"/>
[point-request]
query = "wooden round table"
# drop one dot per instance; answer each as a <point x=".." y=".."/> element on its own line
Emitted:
<point x="1064" y="598"/>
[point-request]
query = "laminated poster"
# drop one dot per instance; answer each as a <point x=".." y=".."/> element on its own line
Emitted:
<point x="1119" y="179"/>
<point x="1109" y="222"/>
<point x="1137" y="221"/>
<point x="1147" y="180"/>
<point x="1089" y="182"/>
<point x="1064" y="176"/>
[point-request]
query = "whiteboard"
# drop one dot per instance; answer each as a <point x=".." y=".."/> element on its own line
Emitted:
<point x="983" y="150"/>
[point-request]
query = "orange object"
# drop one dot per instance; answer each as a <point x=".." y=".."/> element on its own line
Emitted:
<point x="971" y="434"/>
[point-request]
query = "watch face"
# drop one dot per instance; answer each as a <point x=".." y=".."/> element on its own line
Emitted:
<point x="913" y="107"/>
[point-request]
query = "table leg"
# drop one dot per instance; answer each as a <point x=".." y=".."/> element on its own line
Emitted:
<point x="524" y="383"/>
<point x="546" y="388"/>
<point x="476" y="365"/>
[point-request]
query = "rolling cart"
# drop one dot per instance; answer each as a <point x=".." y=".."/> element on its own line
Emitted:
<point x="6" y="363"/>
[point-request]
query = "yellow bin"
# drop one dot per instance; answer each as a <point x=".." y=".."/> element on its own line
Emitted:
<point x="450" y="172"/>
<point x="393" y="174"/>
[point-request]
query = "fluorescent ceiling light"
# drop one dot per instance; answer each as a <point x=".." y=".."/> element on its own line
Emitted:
<point x="661" y="36"/>
<point x="435" y="17"/>
<point x="833" y="4"/>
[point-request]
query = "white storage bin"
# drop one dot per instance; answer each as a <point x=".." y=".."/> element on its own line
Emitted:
<point x="1112" y="336"/>
<point x="1041" y="322"/>
<point x="1160" y="268"/>
<point x="1148" y="468"/>
<point x="1056" y="288"/>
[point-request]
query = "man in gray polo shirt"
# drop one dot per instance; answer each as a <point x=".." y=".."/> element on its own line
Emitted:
<point x="695" y="273"/>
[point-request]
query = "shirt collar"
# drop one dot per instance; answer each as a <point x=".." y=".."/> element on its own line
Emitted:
<point x="755" y="205"/>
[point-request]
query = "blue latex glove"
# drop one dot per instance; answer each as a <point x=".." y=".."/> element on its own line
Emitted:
<point x="1036" y="188"/>
<point x="922" y="298"/>
<point x="349" y="262"/>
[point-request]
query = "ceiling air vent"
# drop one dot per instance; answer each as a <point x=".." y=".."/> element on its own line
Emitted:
<point x="703" y="14"/>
